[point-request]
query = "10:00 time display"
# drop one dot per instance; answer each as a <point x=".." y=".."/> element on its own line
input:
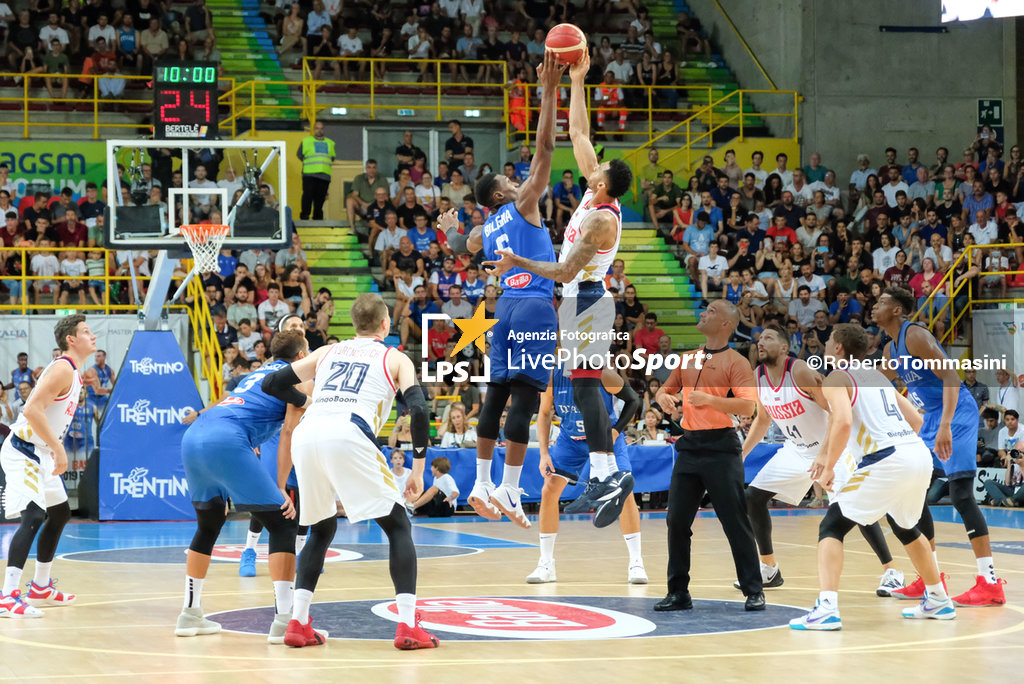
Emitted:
<point x="186" y="74"/>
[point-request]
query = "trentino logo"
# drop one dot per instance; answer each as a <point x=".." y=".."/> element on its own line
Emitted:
<point x="147" y="366"/>
<point x="138" y="486"/>
<point x="141" y="413"/>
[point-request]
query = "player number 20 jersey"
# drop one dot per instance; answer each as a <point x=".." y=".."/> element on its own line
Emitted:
<point x="353" y="379"/>
<point x="601" y="262"/>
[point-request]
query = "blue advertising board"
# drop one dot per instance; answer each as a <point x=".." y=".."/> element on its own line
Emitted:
<point x="141" y="476"/>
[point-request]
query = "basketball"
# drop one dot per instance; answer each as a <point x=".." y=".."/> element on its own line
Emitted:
<point x="568" y="43"/>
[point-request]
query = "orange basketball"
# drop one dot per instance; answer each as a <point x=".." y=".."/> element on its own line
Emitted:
<point x="568" y="43"/>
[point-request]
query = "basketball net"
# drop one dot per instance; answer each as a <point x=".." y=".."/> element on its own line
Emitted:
<point x="204" y="241"/>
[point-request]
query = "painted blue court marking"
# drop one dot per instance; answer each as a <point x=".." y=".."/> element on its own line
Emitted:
<point x="1015" y="548"/>
<point x="87" y="536"/>
<point x="525" y="618"/>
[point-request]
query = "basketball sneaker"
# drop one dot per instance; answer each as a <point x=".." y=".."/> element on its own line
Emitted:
<point x="584" y="503"/>
<point x="14" y="606"/>
<point x="480" y="500"/>
<point x="930" y="608"/>
<point x="637" y="574"/>
<point x="771" y="577"/>
<point x="279" y="627"/>
<point x="891" y="581"/>
<point x="506" y="499"/>
<point x="411" y="638"/>
<point x="915" y="590"/>
<point x="48" y="595"/>
<point x="192" y="623"/>
<point x="982" y="594"/>
<point x="610" y="499"/>
<point x="544" y="573"/>
<point x="819" y="620"/>
<point x="247" y="564"/>
<point x="298" y="635"/>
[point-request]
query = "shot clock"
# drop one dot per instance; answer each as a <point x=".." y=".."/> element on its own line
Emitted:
<point x="185" y="100"/>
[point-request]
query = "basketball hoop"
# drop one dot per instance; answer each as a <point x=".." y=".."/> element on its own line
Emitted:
<point x="204" y="241"/>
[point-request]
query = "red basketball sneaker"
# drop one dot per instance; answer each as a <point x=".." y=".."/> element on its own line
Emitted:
<point x="48" y="595"/>
<point x="982" y="594"/>
<point x="13" y="606"/>
<point x="411" y="638"/>
<point x="915" y="590"/>
<point x="299" y="635"/>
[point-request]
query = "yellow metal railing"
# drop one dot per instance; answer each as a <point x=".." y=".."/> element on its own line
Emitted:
<point x="931" y="314"/>
<point x="698" y="130"/>
<point x="204" y="341"/>
<point x="132" y="100"/>
<point x="746" y="47"/>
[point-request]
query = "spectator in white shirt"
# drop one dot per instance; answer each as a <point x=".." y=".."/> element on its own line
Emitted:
<point x="46" y="265"/>
<point x="73" y="267"/>
<point x="441" y="498"/>
<point x="271" y="310"/>
<point x="938" y="251"/>
<point x="984" y="229"/>
<point x="456" y="306"/>
<point x="247" y="338"/>
<point x="472" y="12"/>
<point x="410" y="28"/>
<point x="802" y="193"/>
<point x="808" y="234"/>
<point x="781" y="159"/>
<point x="621" y="67"/>
<point x="804" y="307"/>
<point x="859" y="178"/>
<point x="51" y="31"/>
<point x="202" y="203"/>
<point x="712" y="267"/>
<point x="829" y="188"/>
<point x="230" y="182"/>
<point x="351" y="45"/>
<point x="884" y="257"/>
<point x="389" y="238"/>
<point x="895" y="184"/>
<point x="1005" y="395"/>
<point x="103" y="30"/>
<point x="760" y="175"/>
<point x="808" y="278"/>
<point x="427" y="194"/>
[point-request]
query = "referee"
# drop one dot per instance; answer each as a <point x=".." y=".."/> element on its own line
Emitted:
<point x="709" y="457"/>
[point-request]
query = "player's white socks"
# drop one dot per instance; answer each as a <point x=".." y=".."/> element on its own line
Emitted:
<point x="251" y="539"/>
<point x="42" y="577"/>
<point x="936" y="592"/>
<point x="829" y="600"/>
<point x="406" y="608"/>
<point x="633" y="546"/>
<point x="986" y="568"/>
<point x="300" y="610"/>
<point x="284" y="592"/>
<point x="300" y="543"/>
<point x="599" y="466"/>
<point x="610" y="463"/>
<point x="510" y="475"/>
<point x="483" y="470"/>
<point x="12" y="580"/>
<point x="547" y="547"/>
<point x="193" y="592"/>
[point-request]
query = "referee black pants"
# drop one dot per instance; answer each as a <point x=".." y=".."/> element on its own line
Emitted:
<point x="710" y="460"/>
<point x="314" y="193"/>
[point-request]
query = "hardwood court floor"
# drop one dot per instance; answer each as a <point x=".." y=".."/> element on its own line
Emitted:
<point x="494" y="627"/>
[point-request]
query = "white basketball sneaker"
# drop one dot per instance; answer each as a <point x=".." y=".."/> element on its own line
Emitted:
<point x="480" y="500"/>
<point x="637" y="574"/>
<point x="192" y="623"/>
<point x="544" y="573"/>
<point x="279" y="627"/>
<point x="931" y="608"/>
<point x="820" y="619"/>
<point x="891" y="581"/>
<point x="506" y="499"/>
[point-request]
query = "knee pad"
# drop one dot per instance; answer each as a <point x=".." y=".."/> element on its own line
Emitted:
<point x="961" y="493"/>
<point x="208" y="524"/>
<point x="522" y="408"/>
<point x="282" y="530"/>
<point x="33" y="516"/>
<point x="490" y="412"/>
<point x="835" y="525"/>
<point x="586" y="393"/>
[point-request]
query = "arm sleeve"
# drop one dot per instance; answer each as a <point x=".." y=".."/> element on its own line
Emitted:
<point x="457" y="241"/>
<point x="281" y="384"/>
<point x="419" y="420"/>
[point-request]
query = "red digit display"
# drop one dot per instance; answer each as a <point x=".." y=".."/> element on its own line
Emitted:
<point x="205" y="105"/>
<point x="165" y="107"/>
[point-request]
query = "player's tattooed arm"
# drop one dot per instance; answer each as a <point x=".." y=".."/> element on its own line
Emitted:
<point x="583" y="250"/>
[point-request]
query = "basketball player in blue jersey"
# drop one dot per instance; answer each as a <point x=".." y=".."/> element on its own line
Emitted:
<point x="566" y="461"/>
<point x="950" y="430"/>
<point x="527" y="326"/>
<point x="586" y="315"/>
<point x="218" y="452"/>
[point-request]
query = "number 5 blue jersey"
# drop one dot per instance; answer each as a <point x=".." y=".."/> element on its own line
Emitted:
<point x="257" y="414"/>
<point x="565" y="406"/>
<point x="507" y="229"/>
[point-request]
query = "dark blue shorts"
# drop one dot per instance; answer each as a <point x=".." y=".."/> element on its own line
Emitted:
<point x="530" y="318"/>
<point x="572" y="456"/>
<point x="220" y="465"/>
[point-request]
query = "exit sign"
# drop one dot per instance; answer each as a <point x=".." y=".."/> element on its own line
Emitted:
<point x="990" y="112"/>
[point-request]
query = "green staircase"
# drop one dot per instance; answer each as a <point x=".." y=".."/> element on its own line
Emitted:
<point x="336" y="261"/>
<point x="248" y="54"/>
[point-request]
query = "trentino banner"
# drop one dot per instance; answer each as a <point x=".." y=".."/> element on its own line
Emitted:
<point x="141" y="476"/>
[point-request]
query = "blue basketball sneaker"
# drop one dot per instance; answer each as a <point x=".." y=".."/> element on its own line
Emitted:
<point x="247" y="564"/>
<point x="820" y="619"/>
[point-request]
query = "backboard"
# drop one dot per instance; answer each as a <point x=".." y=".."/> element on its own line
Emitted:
<point x="155" y="186"/>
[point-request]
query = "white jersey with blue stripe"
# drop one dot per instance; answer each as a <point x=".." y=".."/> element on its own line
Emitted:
<point x="600" y="264"/>
<point x="58" y="414"/>
<point x="878" y="424"/>
<point x="565" y="406"/>
<point x="353" y="382"/>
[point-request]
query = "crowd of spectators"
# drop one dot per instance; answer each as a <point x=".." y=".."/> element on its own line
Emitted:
<point x="65" y="45"/>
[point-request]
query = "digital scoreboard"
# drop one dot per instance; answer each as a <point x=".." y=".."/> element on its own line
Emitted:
<point x="185" y="100"/>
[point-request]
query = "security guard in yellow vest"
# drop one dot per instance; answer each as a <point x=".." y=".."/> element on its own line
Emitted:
<point x="316" y="153"/>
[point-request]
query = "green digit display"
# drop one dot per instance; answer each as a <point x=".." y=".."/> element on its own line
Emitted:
<point x="175" y="74"/>
<point x="211" y="75"/>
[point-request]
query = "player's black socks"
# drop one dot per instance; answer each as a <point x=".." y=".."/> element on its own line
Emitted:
<point x="760" y="519"/>
<point x="402" y="558"/>
<point x="311" y="560"/>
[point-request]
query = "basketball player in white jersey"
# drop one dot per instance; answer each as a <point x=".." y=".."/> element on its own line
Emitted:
<point x="334" y="450"/>
<point x="33" y="459"/>
<point x="789" y="392"/>
<point x="587" y="312"/>
<point x="878" y="426"/>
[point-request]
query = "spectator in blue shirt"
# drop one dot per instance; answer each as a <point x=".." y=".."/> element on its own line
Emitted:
<point x="473" y="286"/>
<point x="843" y="308"/>
<point x="523" y="165"/>
<point x="412" y="315"/>
<point x="910" y="170"/>
<point x="976" y="201"/>
<point x="721" y="194"/>
<point x="567" y="195"/>
<point x="226" y="263"/>
<point x="442" y="175"/>
<point x="695" y="243"/>
<point x="422" y="235"/>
